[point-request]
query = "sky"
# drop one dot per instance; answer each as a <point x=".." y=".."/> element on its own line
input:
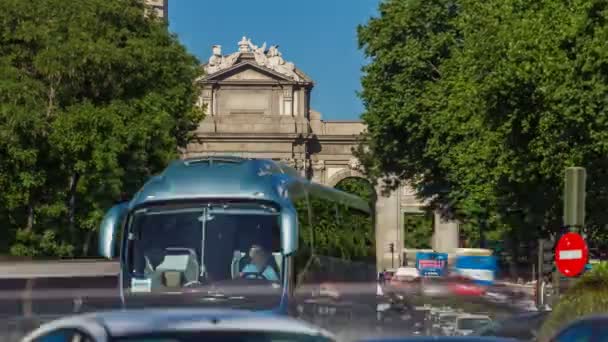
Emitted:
<point x="318" y="36"/>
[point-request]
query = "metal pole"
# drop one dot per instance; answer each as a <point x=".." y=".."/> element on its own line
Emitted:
<point x="556" y="289"/>
<point x="540" y="300"/>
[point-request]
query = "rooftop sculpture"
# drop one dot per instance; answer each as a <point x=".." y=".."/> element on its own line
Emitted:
<point x="271" y="59"/>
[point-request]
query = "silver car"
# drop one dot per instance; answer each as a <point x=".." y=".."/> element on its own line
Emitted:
<point x="178" y="325"/>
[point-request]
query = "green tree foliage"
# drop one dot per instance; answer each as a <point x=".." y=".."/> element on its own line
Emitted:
<point x="417" y="230"/>
<point x="587" y="297"/>
<point x="94" y="98"/>
<point x="482" y="104"/>
<point x="337" y="230"/>
<point x="340" y="236"/>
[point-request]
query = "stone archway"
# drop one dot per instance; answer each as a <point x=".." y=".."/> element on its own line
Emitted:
<point x="257" y="109"/>
<point x="387" y="220"/>
<point x="342" y="175"/>
<point x="354" y="183"/>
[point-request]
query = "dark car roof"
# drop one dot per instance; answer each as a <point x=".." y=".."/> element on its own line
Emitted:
<point x="444" y="338"/>
<point x="128" y="322"/>
<point x="600" y="319"/>
<point x="521" y="325"/>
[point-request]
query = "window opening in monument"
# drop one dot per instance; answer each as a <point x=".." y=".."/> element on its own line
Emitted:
<point x="417" y="230"/>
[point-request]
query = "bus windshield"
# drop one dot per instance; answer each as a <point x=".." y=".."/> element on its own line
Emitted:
<point x="172" y="247"/>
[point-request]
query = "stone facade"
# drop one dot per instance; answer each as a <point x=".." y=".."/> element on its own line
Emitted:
<point x="161" y="7"/>
<point x="258" y="105"/>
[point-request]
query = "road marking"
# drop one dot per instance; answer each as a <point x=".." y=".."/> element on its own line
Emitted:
<point x="571" y="254"/>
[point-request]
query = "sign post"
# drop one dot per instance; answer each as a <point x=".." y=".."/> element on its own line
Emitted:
<point x="571" y="254"/>
<point x="546" y="261"/>
<point x="574" y="197"/>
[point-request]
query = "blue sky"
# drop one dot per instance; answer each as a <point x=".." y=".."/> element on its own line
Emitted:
<point x="319" y="36"/>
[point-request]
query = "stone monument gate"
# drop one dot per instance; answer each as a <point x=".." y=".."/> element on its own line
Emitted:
<point x="258" y="105"/>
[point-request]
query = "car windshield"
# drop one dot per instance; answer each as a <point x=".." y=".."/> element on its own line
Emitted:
<point x="172" y="247"/>
<point x="472" y="323"/>
<point x="226" y="336"/>
<point x="447" y="318"/>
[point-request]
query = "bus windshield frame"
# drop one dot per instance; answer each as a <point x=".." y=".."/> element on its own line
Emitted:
<point x="204" y="242"/>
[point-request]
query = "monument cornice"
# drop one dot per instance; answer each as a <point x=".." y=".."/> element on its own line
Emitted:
<point x="256" y="82"/>
<point x="224" y="136"/>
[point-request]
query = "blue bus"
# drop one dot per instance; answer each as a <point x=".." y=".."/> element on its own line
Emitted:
<point x="432" y="264"/>
<point x="482" y="269"/>
<point x="221" y="231"/>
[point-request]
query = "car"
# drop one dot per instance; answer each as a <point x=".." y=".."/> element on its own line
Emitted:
<point x="523" y="326"/>
<point x="467" y="323"/>
<point x="443" y="339"/>
<point x="591" y="328"/>
<point x="463" y="286"/>
<point x="177" y="325"/>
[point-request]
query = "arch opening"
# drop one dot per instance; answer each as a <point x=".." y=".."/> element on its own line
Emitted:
<point x="361" y="236"/>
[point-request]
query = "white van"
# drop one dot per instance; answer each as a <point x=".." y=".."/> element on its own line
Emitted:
<point x="466" y="324"/>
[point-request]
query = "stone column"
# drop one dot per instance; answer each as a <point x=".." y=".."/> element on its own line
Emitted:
<point x="387" y="230"/>
<point x="318" y="171"/>
<point x="296" y="102"/>
<point x="445" y="236"/>
<point x="206" y="100"/>
<point x="287" y="99"/>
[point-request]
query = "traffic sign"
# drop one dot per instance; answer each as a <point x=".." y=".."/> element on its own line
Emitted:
<point x="571" y="254"/>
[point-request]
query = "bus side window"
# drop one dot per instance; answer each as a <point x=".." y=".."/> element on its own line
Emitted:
<point x="305" y="240"/>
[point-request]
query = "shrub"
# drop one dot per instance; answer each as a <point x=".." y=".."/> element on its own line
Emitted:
<point x="588" y="296"/>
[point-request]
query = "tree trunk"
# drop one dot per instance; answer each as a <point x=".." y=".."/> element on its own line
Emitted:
<point x="87" y="243"/>
<point x="514" y="251"/>
<point x="30" y="217"/>
<point x="72" y="206"/>
<point x="482" y="234"/>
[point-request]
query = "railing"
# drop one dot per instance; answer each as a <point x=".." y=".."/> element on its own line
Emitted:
<point x="74" y="268"/>
<point x="35" y="288"/>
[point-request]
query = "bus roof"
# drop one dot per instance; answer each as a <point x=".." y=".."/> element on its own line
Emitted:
<point x="229" y="177"/>
<point x="474" y="251"/>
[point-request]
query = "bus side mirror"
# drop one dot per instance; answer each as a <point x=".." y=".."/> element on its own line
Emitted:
<point x="109" y="229"/>
<point x="289" y="229"/>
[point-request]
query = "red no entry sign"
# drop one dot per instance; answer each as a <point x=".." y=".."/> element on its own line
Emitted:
<point x="571" y="254"/>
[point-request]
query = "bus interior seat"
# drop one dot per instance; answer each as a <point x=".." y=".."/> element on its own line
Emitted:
<point x="182" y="260"/>
<point x="153" y="258"/>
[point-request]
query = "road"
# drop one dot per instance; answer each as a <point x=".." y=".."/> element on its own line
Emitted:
<point x="32" y="290"/>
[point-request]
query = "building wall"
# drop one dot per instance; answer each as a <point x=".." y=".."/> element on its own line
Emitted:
<point x="161" y="7"/>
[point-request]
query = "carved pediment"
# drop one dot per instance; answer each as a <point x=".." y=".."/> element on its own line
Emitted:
<point x="247" y="71"/>
<point x="248" y="74"/>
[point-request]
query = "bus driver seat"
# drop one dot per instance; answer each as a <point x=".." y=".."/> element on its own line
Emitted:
<point x="240" y="259"/>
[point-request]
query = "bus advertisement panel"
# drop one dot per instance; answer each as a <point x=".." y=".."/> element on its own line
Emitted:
<point x="432" y="264"/>
<point x="481" y="269"/>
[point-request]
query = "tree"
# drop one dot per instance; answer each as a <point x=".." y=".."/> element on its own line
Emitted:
<point x="95" y="97"/>
<point x="481" y="106"/>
